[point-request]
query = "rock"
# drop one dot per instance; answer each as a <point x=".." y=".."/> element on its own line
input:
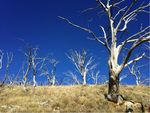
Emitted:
<point x="45" y="103"/>
<point x="131" y="106"/>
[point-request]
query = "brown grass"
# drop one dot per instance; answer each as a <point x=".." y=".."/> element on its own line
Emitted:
<point x="67" y="98"/>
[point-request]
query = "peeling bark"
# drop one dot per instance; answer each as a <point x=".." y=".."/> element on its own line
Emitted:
<point x="113" y="87"/>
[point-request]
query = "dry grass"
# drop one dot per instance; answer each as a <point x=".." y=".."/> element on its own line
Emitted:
<point x="67" y="98"/>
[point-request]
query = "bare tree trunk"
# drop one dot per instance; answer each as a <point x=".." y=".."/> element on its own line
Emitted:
<point x="83" y="63"/>
<point x="25" y="76"/>
<point x="84" y="80"/>
<point x="53" y="80"/>
<point x="114" y="71"/>
<point x="34" y="81"/>
<point x="49" y="80"/>
<point x="34" y="78"/>
<point x="113" y="89"/>
<point x="9" y="62"/>
<point x="137" y="81"/>
<point x="113" y="84"/>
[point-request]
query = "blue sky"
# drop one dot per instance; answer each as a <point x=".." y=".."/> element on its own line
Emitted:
<point x="36" y="22"/>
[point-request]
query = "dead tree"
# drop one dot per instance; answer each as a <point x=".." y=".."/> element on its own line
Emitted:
<point x="46" y="73"/>
<point x="32" y="62"/>
<point x="51" y="76"/>
<point x="119" y="16"/>
<point x="74" y="78"/>
<point x="29" y="63"/>
<point x="9" y="62"/>
<point x="14" y="79"/>
<point x="95" y="76"/>
<point x="1" y="62"/>
<point x="135" y="71"/>
<point x="82" y="62"/>
<point x="53" y="62"/>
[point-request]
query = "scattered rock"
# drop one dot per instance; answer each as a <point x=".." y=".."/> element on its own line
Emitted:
<point x="45" y="103"/>
<point x="131" y="106"/>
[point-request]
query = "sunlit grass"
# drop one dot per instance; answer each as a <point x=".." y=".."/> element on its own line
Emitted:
<point x="67" y="98"/>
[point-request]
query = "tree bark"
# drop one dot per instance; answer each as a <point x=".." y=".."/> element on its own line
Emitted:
<point x="84" y="80"/>
<point x="137" y="81"/>
<point x="113" y="89"/>
<point x="53" y="80"/>
<point x="25" y="75"/>
<point x="113" y="83"/>
<point x="34" y="78"/>
<point x="113" y="86"/>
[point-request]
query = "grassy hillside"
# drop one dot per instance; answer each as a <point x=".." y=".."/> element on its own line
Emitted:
<point x="67" y="98"/>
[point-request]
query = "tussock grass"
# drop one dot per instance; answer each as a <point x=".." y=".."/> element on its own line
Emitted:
<point x="67" y="98"/>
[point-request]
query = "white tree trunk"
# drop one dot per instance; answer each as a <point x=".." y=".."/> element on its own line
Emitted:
<point x="84" y="80"/>
<point x="137" y="81"/>
<point x="53" y="80"/>
<point x="84" y="73"/>
<point x="34" y="81"/>
<point x="25" y="75"/>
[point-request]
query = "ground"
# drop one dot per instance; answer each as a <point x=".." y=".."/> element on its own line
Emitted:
<point x="78" y="98"/>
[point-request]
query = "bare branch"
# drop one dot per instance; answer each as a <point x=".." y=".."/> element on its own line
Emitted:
<point x="117" y="3"/>
<point x="139" y="9"/>
<point x="134" y="71"/>
<point x="84" y="29"/>
<point x="126" y="21"/>
<point x="121" y="10"/>
<point x="130" y="16"/>
<point x="89" y="9"/>
<point x="9" y="59"/>
<point x="121" y="19"/>
<point x="101" y="4"/>
<point x="123" y="77"/>
<point x="135" y="60"/>
<point x="130" y="39"/>
<point x="136" y="44"/>
<point x="95" y="76"/>
<point x="73" y="77"/>
<point x="106" y="40"/>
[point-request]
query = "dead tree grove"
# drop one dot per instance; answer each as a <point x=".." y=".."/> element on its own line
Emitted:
<point x="119" y="15"/>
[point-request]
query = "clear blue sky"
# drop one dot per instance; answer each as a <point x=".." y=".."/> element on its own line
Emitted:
<point x="37" y="23"/>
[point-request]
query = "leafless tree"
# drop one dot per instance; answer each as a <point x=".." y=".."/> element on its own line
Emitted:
<point x="73" y="77"/>
<point x="46" y="73"/>
<point x="32" y="62"/>
<point x="135" y="71"/>
<point x="95" y="76"/>
<point x="82" y="62"/>
<point x="9" y="62"/>
<point x="1" y="62"/>
<point x="53" y="62"/>
<point x="119" y="16"/>
<point x="51" y="76"/>
<point x="15" y="79"/>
